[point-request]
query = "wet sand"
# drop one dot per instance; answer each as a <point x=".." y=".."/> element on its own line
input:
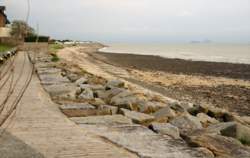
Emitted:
<point x="179" y="66"/>
<point x="219" y="84"/>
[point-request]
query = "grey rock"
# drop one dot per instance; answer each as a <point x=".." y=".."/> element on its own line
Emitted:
<point x="144" y="142"/>
<point x="178" y="107"/>
<point x="86" y="94"/>
<point x="232" y="129"/>
<point x="52" y="79"/>
<point x="164" y="114"/>
<point x="44" y="71"/>
<point x="97" y="102"/>
<point x="107" y="95"/>
<point x="80" y="81"/>
<point x="125" y="99"/>
<point x="78" y="110"/>
<point x="73" y="77"/>
<point x="92" y="87"/>
<point x="221" y="146"/>
<point x="206" y="152"/>
<point x="139" y="118"/>
<point x="149" y="106"/>
<point x="57" y="90"/>
<point x="206" y="120"/>
<point x="108" y="109"/>
<point x="78" y="91"/>
<point x="115" y="83"/>
<point x="186" y="123"/>
<point x="166" y="129"/>
<point x="103" y="120"/>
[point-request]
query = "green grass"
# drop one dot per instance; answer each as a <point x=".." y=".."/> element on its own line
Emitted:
<point x="55" y="58"/>
<point x="245" y="141"/>
<point x="53" y="48"/>
<point x="4" y="47"/>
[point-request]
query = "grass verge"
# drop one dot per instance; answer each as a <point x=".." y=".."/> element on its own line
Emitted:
<point x="5" y="47"/>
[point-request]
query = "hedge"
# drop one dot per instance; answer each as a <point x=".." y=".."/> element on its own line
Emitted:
<point x="34" y="39"/>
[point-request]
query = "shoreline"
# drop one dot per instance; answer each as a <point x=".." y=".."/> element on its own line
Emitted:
<point x="178" y="66"/>
<point x="223" y="85"/>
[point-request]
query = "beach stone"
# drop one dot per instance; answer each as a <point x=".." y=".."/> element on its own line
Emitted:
<point x="196" y="109"/>
<point x="221" y="146"/>
<point x="52" y="79"/>
<point x="149" y="106"/>
<point x="245" y="119"/>
<point x="136" y="117"/>
<point x="92" y="87"/>
<point x="115" y="83"/>
<point x="206" y="120"/>
<point x="97" y="102"/>
<point x="109" y="120"/>
<point x="220" y="114"/>
<point x="80" y="81"/>
<point x="205" y="151"/>
<point x="144" y="142"/>
<point x="232" y="129"/>
<point x="180" y="107"/>
<point x="186" y="123"/>
<point x="108" y="109"/>
<point x="86" y="94"/>
<point x="107" y="95"/>
<point x="125" y="99"/>
<point x="57" y="90"/>
<point x="164" y="114"/>
<point x="166" y="129"/>
<point x="44" y="71"/>
<point x="63" y="73"/>
<point x="78" y="109"/>
<point x="73" y="77"/>
<point x="78" y="91"/>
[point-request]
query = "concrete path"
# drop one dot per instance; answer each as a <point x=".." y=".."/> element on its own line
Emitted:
<point x="39" y="129"/>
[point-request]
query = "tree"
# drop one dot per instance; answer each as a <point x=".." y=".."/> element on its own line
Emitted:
<point x="20" y="30"/>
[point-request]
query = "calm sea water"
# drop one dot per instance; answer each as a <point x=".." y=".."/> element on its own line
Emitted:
<point x="232" y="53"/>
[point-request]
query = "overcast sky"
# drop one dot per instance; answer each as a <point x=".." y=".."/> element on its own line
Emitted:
<point x="138" y="20"/>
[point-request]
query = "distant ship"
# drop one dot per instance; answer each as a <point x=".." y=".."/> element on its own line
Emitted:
<point x="201" y="42"/>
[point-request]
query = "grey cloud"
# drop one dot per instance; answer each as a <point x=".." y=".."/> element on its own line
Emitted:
<point x="138" y="20"/>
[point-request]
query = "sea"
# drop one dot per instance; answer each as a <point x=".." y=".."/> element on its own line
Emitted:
<point x="230" y="53"/>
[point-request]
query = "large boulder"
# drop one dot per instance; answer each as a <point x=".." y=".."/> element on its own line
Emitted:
<point x="112" y="110"/>
<point x="78" y="109"/>
<point x="58" y="90"/>
<point x="44" y="71"/>
<point x="180" y="107"/>
<point x="149" y="106"/>
<point x="146" y="143"/>
<point x="186" y="123"/>
<point x="136" y="117"/>
<point x="103" y="120"/>
<point x="166" y="129"/>
<point x="245" y="119"/>
<point x="73" y="77"/>
<point x="93" y="87"/>
<point x="164" y="114"/>
<point x="125" y="99"/>
<point x="107" y="95"/>
<point x="206" y="120"/>
<point x="80" y="81"/>
<point x="87" y="94"/>
<point x="221" y="146"/>
<point x="53" y="79"/>
<point x="115" y="83"/>
<point x="232" y="129"/>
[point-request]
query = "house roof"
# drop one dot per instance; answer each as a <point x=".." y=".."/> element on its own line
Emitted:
<point x="2" y="9"/>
